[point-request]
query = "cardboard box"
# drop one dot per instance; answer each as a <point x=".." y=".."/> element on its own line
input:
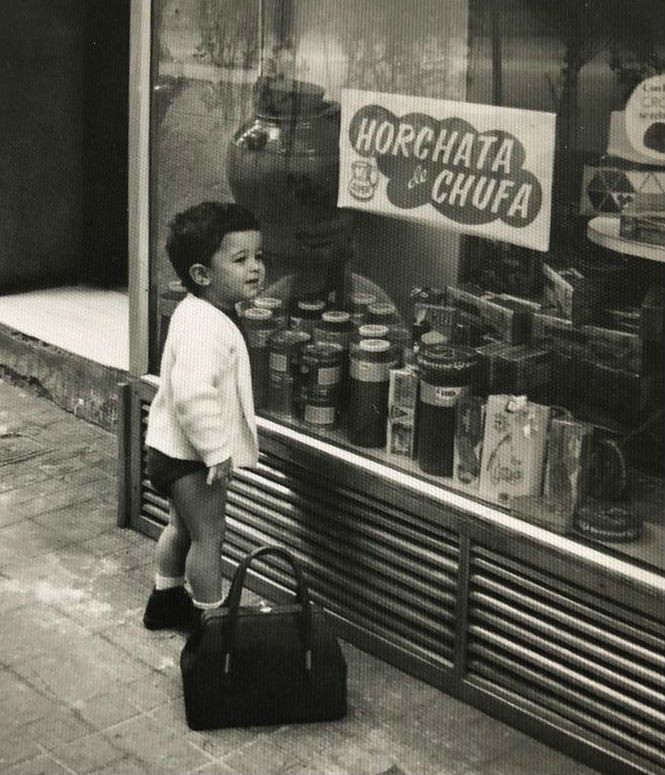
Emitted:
<point x="489" y="355"/>
<point x="524" y="370"/>
<point x="646" y="227"/>
<point x="514" y="445"/>
<point x="469" y="432"/>
<point x="570" y="294"/>
<point x="618" y="349"/>
<point x="402" y="404"/>
<point x="508" y="320"/>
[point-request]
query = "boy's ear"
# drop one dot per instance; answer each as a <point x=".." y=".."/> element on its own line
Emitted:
<point x="199" y="274"/>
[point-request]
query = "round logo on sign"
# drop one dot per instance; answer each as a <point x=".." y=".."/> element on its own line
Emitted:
<point x="645" y="118"/>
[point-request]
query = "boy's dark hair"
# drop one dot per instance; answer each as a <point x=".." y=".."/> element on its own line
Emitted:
<point x="196" y="234"/>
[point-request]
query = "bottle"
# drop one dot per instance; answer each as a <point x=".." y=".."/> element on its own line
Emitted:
<point x="369" y="382"/>
<point x="258" y="326"/>
<point x="446" y="373"/>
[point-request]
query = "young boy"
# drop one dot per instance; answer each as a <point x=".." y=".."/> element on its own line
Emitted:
<point x="201" y="423"/>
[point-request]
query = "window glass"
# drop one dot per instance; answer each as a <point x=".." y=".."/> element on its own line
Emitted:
<point x="530" y="380"/>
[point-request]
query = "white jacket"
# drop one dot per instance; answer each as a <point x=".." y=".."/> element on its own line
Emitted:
<point x="204" y="409"/>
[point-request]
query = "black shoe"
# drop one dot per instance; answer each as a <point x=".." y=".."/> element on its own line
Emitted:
<point x="168" y="608"/>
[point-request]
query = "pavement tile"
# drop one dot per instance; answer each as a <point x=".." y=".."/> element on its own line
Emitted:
<point x="109" y="708"/>
<point x="150" y="742"/>
<point x="520" y="761"/>
<point x="43" y="764"/>
<point x="79" y="521"/>
<point x="262" y="756"/>
<point x="61" y="726"/>
<point x="36" y="629"/>
<point x="159" y="649"/>
<point x="22" y="703"/>
<point x="126" y="766"/>
<point x="77" y="672"/>
<point x="17" y="745"/>
<point x="215" y="768"/>
<point x="29" y="539"/>
<point x="87" y="754"/>
<point x="215" y="742"/>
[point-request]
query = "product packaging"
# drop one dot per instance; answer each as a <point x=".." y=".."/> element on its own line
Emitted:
<point x="514" y="446"/>
<point x="434" y="317"/>
<point x="469" y="432"/>
<point x="402" y="403"/>
<point x="524" y="370"/>
<point x="618" y="349"/>
<point x="570" y="294"/>
<point x="569" y="451"/>
<point x="646" y="227"/>
<point x="499" y="316"/>
<point x="489" y="355"/>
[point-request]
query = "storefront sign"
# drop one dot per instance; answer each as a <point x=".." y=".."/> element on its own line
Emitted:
<point x="645" y="118"/>
<point x="478" y="169"/>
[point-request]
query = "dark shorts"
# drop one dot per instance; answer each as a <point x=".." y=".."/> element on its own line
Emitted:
<point x="164" y="470"/>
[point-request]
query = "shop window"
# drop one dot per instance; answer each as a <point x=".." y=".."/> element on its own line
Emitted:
<point x="528" y="378"/>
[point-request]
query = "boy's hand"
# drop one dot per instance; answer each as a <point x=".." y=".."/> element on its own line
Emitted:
<point x="220" y="473"/>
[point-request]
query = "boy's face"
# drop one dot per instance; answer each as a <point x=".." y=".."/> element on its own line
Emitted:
<point x="236" y="271"/>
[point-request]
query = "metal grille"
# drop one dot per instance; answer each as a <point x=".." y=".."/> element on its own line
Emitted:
<point x="390" y="572"/>
<point x="537" y="643"/>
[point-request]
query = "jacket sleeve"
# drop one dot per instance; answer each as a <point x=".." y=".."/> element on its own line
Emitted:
<point x="202" y="381"/>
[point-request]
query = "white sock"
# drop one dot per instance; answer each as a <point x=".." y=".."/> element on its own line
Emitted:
<point x="207" y="606"/>
<point x="168" y="582"/>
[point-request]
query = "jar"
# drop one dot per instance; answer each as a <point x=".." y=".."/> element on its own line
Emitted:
<point x="321" y="365"/>
<point x="283" y="164"/>
<point x="446" y="373"/>
<point x="258" y="326"/>
<point x="320" y="406"/>
<point x="372" y="331"/>
<point x="384" y="313"/>
<point x="334" y="327"/>
<point x="285" y="356"/>
<point x="306" y="313"/>
<point x="360" y="303"/>
<point x="275" y="306"/>
<point x="369" y="382"/>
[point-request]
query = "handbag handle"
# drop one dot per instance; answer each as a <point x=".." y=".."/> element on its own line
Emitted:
<point x="302" y="594"/>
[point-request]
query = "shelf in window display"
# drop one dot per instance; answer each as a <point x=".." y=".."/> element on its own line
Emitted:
<point x="605" y="231"/>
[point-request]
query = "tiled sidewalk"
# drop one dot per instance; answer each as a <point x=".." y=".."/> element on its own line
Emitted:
<point x="86" y="689"/>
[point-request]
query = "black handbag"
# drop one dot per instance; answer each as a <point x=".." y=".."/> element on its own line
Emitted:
<point x="247" y="666"/>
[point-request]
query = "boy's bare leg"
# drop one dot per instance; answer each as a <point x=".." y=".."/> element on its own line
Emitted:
<point x="172" y="547"/>
<point x="201" y="507"/>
